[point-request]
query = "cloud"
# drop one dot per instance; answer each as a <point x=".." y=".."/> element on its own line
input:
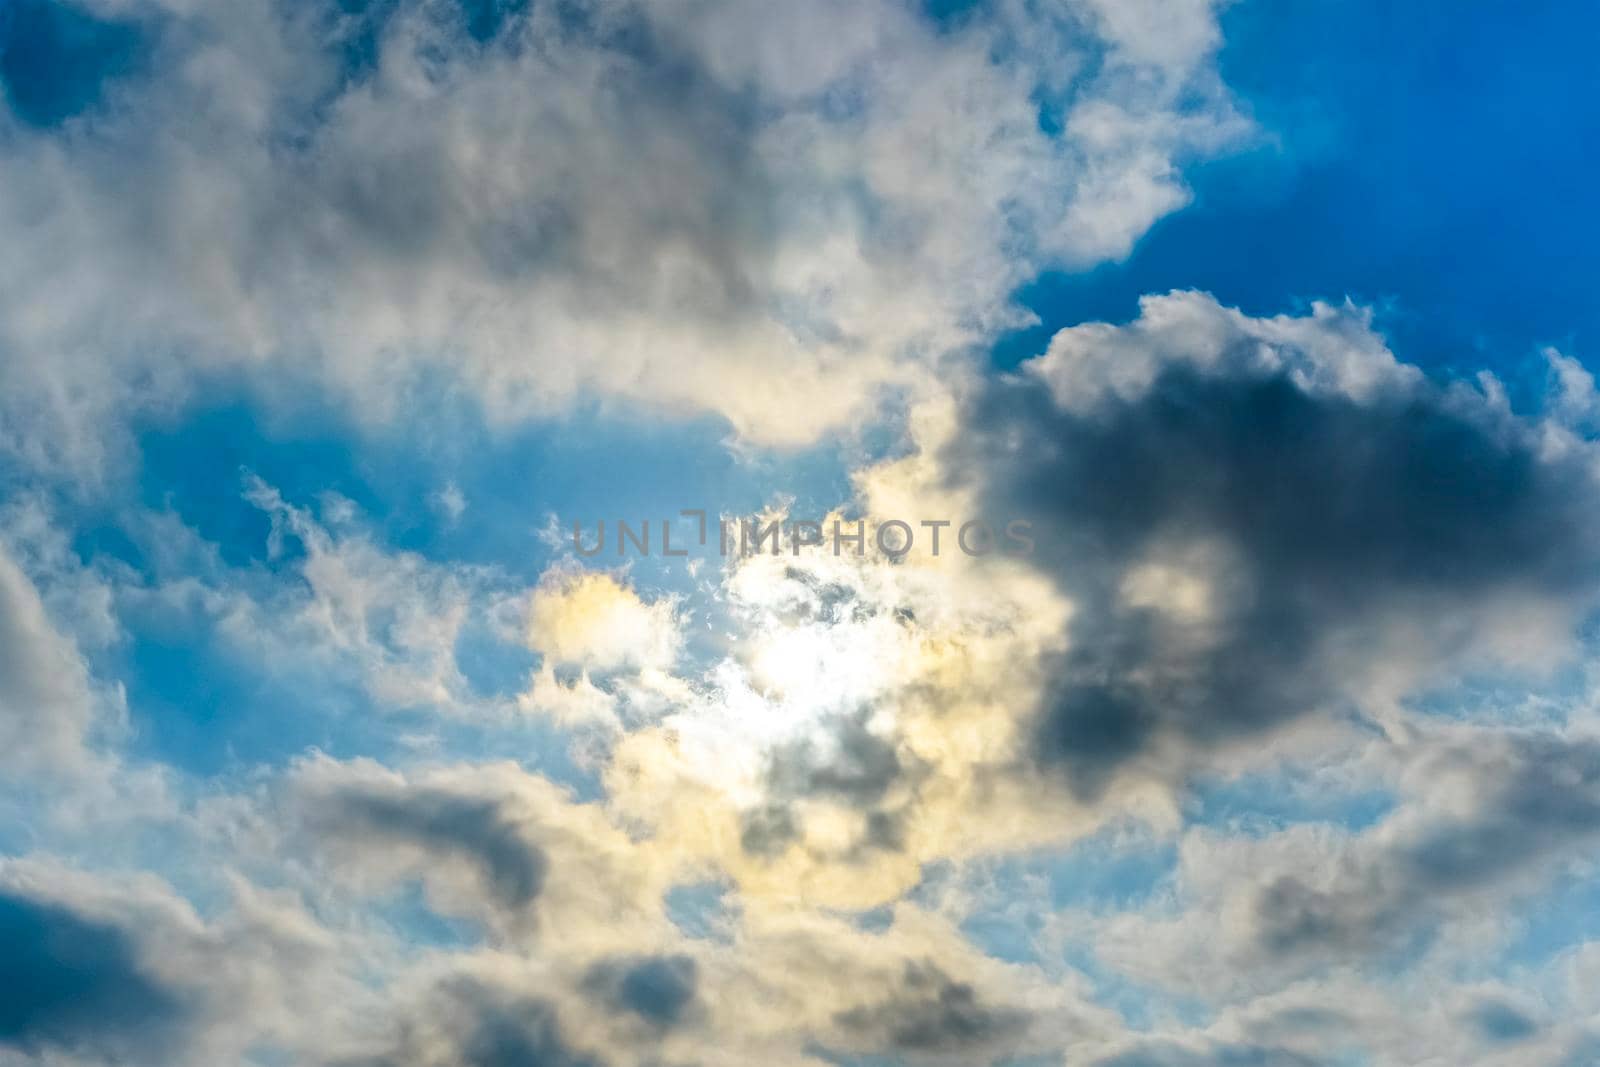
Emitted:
<point x="472" y="1023"/>
<point x="931" y="1014"/>
<point x="394" y="616"/>
<point x="358" y="615"/>
<point x="489" y="842"/>
<point x="660" y="990"/>
<point x="703" y="200"/>
<point x="450" y="502"/>
<point x="851" y="733"/>
<point x="605" y="976"/>
<point x="1256" y="538"/>
<point x="1372" y="1017"/>
<point x="76" y="984"/>
<point x="607" y="653"/>
<point x="476" y="848"/>
<point x="439" y="824"/>
<point x="861" y="737"/>
<point x="46" y="703"/>
<point x="1170" y="1054"/>
<point x="1258" y="520"/>
<point x="914" y="989"/>
<point x="1268" y="925"/>
<point x="1244" y="525"/>
<point x="593" y="621"/>
<point x="1495" y="812"/>
<point x="105" y="968"/>
<point x="1333" y="351"/>
<point x="1500" y="1021"/>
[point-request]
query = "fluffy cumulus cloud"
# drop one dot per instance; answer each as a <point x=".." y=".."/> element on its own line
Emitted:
<point x="1246" y="713"/>
<point x="1260" y="520"/>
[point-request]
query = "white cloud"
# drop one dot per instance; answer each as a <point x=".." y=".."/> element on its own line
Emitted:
<point x="680" y="204"/>
<point x="46" y="704"/>
<point x="593" y="621"/>
<point x="1334" y="350"/>
<point x="394" y="616"/>
<point x="450" y="502"/>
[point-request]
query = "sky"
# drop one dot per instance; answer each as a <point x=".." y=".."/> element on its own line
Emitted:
<point x="1227" y="365"/>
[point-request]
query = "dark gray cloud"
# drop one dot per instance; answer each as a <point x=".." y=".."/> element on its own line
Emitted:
<point x="1168" y="1055"/>
<point x="930" y="1013"/>
<point x="77" y="984"/>
<point x="1540" y="792"/>
<point x="1500" y="1022"/>
<point x="1357" y="916"/>
<point x="470" y="1023"/>
<point x="657" y="989"/>
<point x="848" y="763"/>
<point x="1321" y="519"/>
<point x="475" y="829"/>
<point x="854" y="765"/>
<point x="768" y="830"/>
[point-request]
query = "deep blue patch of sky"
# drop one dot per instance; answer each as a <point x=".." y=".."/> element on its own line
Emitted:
<point x="1429" y="159"/>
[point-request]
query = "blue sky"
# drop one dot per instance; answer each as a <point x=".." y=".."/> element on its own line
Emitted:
<point x="1430" y="164"/>
<point x="322" y="323"/>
